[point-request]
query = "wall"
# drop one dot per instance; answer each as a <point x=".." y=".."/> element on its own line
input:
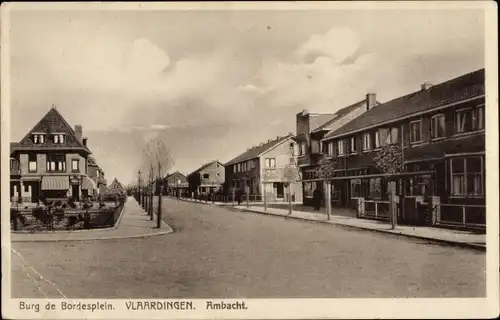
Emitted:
<point x="216" y="174"/>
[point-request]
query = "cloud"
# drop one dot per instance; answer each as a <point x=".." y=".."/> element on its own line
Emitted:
<point x="337" y="44"/>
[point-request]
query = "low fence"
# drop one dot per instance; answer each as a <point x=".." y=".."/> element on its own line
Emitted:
<point x="376" y="209"/>
<point x="42" y="219"/>
<point x="466" y="216"/>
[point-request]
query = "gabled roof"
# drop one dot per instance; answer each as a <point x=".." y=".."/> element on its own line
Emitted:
<point x="115" y="185"/>
<point x="51" y="122"/>
<point x="206" y="165"/>
<point x="330" y="124"/>
<point x="467" y="86"/>
<point x="174" y="174"/>
<point x="258" y="150"/>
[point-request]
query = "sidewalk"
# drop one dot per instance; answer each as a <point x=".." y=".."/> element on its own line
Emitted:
<point x="133" y="223"/>
<point x="452" y="237"/>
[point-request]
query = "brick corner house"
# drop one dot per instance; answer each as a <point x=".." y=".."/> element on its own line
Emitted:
<point x="439" y="131"/>
<point x="51" y="162"/>
<point x="262" y="168"/>
<point x="311" y="128"/>
<point x="207" y="179"/>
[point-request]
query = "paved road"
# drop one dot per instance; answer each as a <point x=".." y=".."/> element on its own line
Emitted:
<point x="216" y="252"/>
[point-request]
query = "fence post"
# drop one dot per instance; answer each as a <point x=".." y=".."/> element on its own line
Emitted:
<point x="290" y="208"/>
<point x="463" y="216"/>
<point x="392" y="204"/>
<point x="265" y="197"/>
<point x="15" y="221"/>
<point x="247" y="192"/>
<point x="87" y="220"/>
<point x="376" y="208"/>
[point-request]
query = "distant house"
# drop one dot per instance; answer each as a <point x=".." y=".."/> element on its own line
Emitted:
<point x="208" y="178"/>
<point x="311" y="128"/>
<point x="50" y="162"/>
<point x="115" y="188"/>
<point x="97" y="175"/>
<point x="439" y="129"/>
<point x="177" y="184"/>
<point x="262" y="168"/>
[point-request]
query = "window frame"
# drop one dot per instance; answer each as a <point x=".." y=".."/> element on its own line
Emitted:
<point x="330" y="149"/>
<point x="433" y="122"/>
<point x="269" y="161"/>
<point x="77" y="161"/>
<point x="419" y="121"/>
<point x="464" y="176"/>
<point x="377" y="144"/>
<point x="56" y="163"/>
<point x="474" y="119"/>
<point x="340" y="148"/>
<point x="353" y="146"/>
<point x="367" y="137"/>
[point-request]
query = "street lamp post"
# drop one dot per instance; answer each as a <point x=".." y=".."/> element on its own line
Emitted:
<point x="139" y="186"/>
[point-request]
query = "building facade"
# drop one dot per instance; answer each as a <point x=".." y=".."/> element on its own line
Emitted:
<point x="177" y="185"/>
<point x="267" y="168"/>
<point x="310" y="129"/>
<point x="97" y="175"/>
<point x="50" y="162"/>
<point x="207" y="179"/>
<point x="439" y="133"/>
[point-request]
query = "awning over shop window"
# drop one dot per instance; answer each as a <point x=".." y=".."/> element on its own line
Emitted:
<point x="88" y="184"/>
<point x="55" y="183"/>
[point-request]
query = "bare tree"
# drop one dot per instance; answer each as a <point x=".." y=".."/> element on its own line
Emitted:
<point x="157" y="162"/>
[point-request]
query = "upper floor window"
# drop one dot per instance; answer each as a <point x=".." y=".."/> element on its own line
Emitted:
<point x="38" y="138"/>
<point x="416" y="131"/>
<point x="32" y="164"/>
<point x="330" y="149"/>
<point x="244" y="165"/>
<point x="75" y="165"/>
<point x="392" y="136"/>
<point x="377" y="139"/>
<point x="367" y="141"/>
<point x="238" y="167"/>
<point x="469" y="119"/>
<point x="56" y="163"/>
<point x="353" y="145"/>
<point x="206" y="176"/>
<point x="302" y="148"/>
<point x="270" y="162"/>
<point x="58" y="138"/>
<point x="340" y="147"/>
<point x="437" y="126"/>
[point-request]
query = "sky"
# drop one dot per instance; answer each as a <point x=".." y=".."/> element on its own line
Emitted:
<point x="211" y="84"/>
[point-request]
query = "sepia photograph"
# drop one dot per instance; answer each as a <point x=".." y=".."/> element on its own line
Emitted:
<point x="249" y="160"/>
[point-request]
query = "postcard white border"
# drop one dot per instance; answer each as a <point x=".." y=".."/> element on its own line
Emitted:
<point x="284" y="308"/>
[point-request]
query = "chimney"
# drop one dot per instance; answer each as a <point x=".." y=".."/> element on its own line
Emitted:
<point x="371" y="100"/>
<point x="305" y="112"/>
<point x="84" y="141"/>
<point x="78" y="132"/>
<point x="425" y="86"/>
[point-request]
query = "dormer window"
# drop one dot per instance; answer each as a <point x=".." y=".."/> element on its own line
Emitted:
<point x="38" y="138"/>
<point x="58" y="138"/>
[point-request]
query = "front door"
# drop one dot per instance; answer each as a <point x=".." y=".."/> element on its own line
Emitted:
<point x="75" y="192"/>
<point x="280" y="190"/>
<point x="35" y="192"/>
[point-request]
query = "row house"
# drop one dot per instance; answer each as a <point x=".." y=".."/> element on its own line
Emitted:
<point x="207" y="179"/>
<point x="97" y="175"/>
<point x="115" y="188"/>
<point x="439" y="130"/>
<point x="176" y="184"/>
<point x="50" y="162"/>
<point x="310" y="129"/>
<point x="263" y="168"/>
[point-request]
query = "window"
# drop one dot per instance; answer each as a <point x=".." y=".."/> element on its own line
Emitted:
<point x="244" y="167"/>
<point x="367" y="142"/>
<point x="354" y="148"/>
<point x="302" y="148"/>
<point x="377" y="139"/>
<point x="238" y="167"/>
<point x="416" y="131"/>
<point x="330" y="149"/>
<point x="206" y="176"/>
<point x="355" y="188"/>
<point x="392" y="136"/>
<point x="467" y="176"/>
<point x="56" y="163"/>
<point x="12" y="161"/>
<point x="340" y="147"/>
<point x="468" y="120"/>
<point x="75" y="165"/>
<point x="58" y="138"/>
<point x="38" y="138"/>
<point x="270" y="163"/>
<point x="32" y="163"/>
<point x="437" y="126"/>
